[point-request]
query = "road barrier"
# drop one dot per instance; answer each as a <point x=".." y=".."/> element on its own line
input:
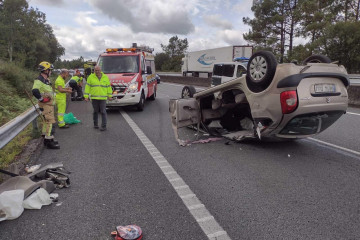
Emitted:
<point x="15" y="126"/>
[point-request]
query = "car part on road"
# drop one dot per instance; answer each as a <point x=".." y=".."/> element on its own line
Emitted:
<point x="260" y="71"/>
<point x="188" y="92"/>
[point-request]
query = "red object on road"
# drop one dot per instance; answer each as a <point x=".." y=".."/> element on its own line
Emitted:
<point x="129" y="232"/>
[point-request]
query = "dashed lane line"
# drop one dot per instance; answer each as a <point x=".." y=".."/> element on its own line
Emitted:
<point x="336" y="146"/>
<point x="203" y="217"/>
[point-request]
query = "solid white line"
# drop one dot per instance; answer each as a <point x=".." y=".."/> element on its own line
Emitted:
<point x="358" y="114"/>
<point x="211" y="228"/>
<point x="336" y="146"/>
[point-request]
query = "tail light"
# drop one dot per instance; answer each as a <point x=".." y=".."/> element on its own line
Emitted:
<point x="289" y="101"/>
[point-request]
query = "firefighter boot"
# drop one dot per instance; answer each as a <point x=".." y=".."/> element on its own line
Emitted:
<point x="55" y="141"/>
<point x="49" y="143"/>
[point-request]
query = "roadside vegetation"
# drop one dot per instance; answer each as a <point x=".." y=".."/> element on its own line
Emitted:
<point x="25" y="40"/>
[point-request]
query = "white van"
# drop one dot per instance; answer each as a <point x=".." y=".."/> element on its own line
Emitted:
<point x="224" y="72"/>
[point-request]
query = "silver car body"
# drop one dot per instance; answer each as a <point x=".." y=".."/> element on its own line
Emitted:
<point x="316" y="109"/>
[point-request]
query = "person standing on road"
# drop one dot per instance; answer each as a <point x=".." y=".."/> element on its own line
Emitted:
<point x="61" y="97"/>
<point x="43" y="91"/>
<point x="99" y="89"/>
<point x="76" y="84"/>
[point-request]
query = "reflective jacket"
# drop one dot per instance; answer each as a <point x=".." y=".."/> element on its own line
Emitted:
<point x="42" y="88"/>
<point x="60" y="82"/>
<point x="98" y="89"/>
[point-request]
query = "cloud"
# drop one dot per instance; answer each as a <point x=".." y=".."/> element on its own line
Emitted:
<point x="232" y="37"/>
<point x="94" y="39"/>
<point x="156" y="16"/>
<point x="216" y="21"/>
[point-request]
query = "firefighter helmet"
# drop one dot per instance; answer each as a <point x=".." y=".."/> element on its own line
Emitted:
<point x="45" y="66"/>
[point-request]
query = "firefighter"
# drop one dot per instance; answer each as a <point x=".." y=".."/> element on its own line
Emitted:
<point x="43" y="91"/>
<point x="76" y="84"/>
<point x="99" y="89"/>
<point x="61" y="97"/>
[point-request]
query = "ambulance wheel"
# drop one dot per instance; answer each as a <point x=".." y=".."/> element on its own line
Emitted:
<point x="141" y="104"/>
<point x="152" y="98"/>
<point x="188" y="92"/>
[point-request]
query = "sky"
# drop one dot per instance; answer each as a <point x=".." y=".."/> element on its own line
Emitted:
<point x="87" y="27"/>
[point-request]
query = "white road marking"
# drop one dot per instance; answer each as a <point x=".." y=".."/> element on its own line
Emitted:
<point x="358" y="114"/>
<point x="203" y="217"/>
<point x="335" y="146"/>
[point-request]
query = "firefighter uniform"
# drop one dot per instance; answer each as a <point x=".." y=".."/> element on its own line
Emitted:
<point x="60" y="101"/>
<point x="43" y="91"/>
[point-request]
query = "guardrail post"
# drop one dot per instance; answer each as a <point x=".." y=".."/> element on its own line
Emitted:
<point x="35" y="130"/>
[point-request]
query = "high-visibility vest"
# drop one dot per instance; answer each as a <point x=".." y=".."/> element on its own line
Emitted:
<point x="98" y="89"/>
<point x="60" y="82"/>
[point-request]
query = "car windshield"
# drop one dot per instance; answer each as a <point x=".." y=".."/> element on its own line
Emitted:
<point x="119" y="64"/>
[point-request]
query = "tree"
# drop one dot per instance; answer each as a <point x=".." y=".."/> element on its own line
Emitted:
<point x="170" y="59"/>
<point x="340" y="42"/>
<point x="274" y="25"/>
<point x="27" y="38"/>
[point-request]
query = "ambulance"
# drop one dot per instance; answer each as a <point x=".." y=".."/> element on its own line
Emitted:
<point x="132" y="75"/>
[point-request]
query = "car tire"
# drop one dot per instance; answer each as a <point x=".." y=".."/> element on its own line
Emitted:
<point x="188" y="92"/>
<point x="141" y="104"/>
<point x="152" y="98"/>
<point x="317" y="59"/>
<point x="260" y="71"/>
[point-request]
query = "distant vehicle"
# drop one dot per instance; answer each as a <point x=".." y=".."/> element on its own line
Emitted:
<point x="272" y="101"/>
<point x="157" y="78"/>
<point x="224" y="72"/>
<point x="203" y="61"/>
<point x="132" y="75"/>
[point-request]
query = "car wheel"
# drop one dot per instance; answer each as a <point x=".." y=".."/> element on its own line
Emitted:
<point x="188" y="92"/>
<point x="317" y="59"/>
<point x="154" y="95"/>
<point x="141" y="104"/>
<point x="260" y="70"/>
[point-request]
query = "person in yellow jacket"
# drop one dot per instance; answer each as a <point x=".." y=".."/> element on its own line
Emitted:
<point x="61" y="97"/>
<point x="76" y="84"/>
<point x="43" y="91"/>
<point x="99" y="89"/>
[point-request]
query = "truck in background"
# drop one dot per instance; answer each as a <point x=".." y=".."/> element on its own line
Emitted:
<point x="203" y="61"/>
<point x="131" y="72"/>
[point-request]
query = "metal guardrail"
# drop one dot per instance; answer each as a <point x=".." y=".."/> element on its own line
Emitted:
<point x="15" y="126"/>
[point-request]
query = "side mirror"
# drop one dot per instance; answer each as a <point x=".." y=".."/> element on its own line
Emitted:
<point x="148" y="70"/>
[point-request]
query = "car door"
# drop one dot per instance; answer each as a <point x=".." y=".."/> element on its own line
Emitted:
<point x="184" y="112"/>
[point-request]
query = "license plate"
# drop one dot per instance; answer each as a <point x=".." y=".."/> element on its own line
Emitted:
<point x="325" y="88"/>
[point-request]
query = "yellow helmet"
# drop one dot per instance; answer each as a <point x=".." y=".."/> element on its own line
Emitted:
<point x="45" y="66"/>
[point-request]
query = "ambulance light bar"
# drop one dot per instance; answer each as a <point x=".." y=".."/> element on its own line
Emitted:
<point x="121" y="50"/>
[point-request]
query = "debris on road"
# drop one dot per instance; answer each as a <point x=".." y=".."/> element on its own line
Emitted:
<point x="129" y="232"/>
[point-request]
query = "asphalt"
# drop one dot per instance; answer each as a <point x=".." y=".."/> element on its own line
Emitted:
<point x="255" y="190"/>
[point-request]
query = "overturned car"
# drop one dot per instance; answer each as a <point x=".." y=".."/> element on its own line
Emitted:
<point x="272" y="101"/>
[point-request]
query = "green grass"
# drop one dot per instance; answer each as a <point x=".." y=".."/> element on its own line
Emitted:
<point x="14" y="101"/>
